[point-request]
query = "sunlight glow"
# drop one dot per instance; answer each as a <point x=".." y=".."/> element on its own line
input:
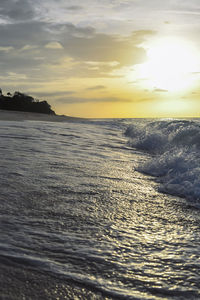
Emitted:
<point x="170" y="66"/>
<point x="170" y="107"/>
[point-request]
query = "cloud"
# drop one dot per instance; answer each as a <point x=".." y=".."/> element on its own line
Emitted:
<point x="96" y="87"/>
<point x="148" y="99"/>
<point x="23" y="47"/>
<point x="28" y="49"/>
<point x="73" y="100"/>
<point x="19" y="35"/>
<point x="74" y="7"/>
<point x="65" y="30"/>
<point x="50" y="94"/>
<point x="106" y="48"/>
<point x="186" y="12"/>
<point x="38" y="49"/>
<point x="53" y="45"/>
<point x="16" y="10"/>
<point x="161" y="91"/>
<point x="12" y="76"/>
<point x="6" y="49"/>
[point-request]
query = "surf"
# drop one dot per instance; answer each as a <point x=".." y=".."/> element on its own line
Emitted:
<point x="173" y="146"/>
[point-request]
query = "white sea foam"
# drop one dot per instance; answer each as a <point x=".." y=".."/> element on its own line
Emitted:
<point x="175" y="146"/>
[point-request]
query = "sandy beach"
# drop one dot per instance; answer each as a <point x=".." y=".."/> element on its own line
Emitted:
<point x="21" y="116"/>
<point x="17" y="283"/>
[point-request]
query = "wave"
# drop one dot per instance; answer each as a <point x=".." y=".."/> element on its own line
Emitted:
<point x="174" y="147"/>
<point x="105" y="287"/>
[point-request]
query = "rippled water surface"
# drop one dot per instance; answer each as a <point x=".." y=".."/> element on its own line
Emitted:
<point x="97" y="201"/>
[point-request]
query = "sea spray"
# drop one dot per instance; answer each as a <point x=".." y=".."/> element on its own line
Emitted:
<point x="175" y="147"/>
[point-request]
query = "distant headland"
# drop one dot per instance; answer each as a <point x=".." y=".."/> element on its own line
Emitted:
<point x="22" y="102"/>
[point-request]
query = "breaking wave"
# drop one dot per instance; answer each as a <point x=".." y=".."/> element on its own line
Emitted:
<point x="174" y="147"/>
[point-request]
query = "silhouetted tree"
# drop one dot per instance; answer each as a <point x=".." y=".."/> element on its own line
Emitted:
<point x="23" y="102"/>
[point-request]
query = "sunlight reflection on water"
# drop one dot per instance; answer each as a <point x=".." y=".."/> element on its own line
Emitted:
<point x="86" y="214"/>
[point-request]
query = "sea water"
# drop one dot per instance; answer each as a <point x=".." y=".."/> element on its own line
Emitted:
<point x="112" y="205"/>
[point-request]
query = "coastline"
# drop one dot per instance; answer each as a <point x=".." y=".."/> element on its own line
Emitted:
<point x="78" y="219"/>
<point x="11" y="115"/>
<point x="18" y="282"/>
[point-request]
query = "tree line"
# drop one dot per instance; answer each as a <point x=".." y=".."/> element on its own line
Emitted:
<point x="22" y="102"/>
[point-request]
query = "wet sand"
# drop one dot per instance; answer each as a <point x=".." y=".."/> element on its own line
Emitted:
<point x="21" y="116"/>
<point x="19" y="283"/>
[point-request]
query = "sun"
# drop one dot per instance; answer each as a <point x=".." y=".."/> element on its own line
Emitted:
<point x="170" y="65"/>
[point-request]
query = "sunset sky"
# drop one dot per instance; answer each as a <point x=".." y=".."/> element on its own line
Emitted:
<point x="100" y="58"/>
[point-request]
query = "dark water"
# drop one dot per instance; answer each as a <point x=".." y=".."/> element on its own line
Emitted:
<point x="101" y="207"/>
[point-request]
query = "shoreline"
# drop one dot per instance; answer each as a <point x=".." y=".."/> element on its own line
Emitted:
<point x="19" y="282"/>
<point x="11" y="115"/>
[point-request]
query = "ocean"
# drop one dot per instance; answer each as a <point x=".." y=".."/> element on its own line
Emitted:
<point x="112" y="205"/>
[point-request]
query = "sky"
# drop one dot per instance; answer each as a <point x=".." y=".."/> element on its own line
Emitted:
<point x="100" y="58"/>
